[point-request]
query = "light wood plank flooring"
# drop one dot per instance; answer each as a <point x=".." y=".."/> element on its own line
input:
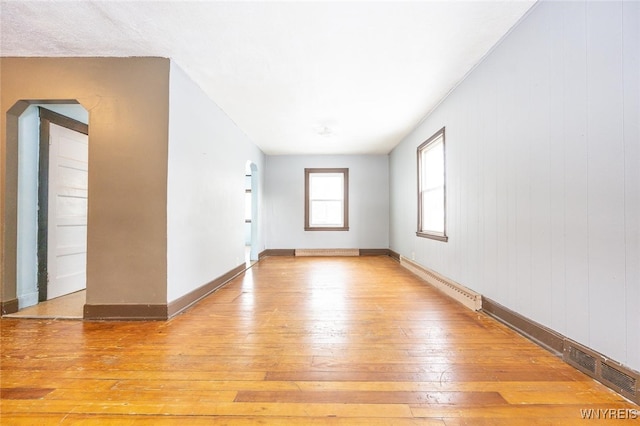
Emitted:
<point x="70" y="306"/>
<point x="295" y="341"/>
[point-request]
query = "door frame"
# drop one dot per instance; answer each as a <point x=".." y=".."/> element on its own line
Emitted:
<point x="252" y="168"/>
<point x="48" y="117"/>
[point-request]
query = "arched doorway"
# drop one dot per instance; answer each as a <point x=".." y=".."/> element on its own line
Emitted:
<point x="64" y="127"/>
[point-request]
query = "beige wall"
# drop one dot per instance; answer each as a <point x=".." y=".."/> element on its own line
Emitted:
<point x="128" y="104"/>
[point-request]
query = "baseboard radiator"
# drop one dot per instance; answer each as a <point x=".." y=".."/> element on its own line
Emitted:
<point x="327" y="252"/>
<point x="458" y="292"/>
<point x="616" y="376"/>
<point x="623" y="380"/>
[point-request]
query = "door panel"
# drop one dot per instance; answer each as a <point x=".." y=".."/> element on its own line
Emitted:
<point x="67" y="225"/>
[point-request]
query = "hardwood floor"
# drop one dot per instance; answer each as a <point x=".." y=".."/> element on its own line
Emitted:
<point x="69" y="306"/>
<point x="295" y="341"/>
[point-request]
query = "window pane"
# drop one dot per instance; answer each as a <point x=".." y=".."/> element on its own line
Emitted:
<point x="326" y="213"/>
<point x="247" y="206"/>
<point x="433" y="166"/>
<point x="326" y="186"/>
<point x="433" y="211"/>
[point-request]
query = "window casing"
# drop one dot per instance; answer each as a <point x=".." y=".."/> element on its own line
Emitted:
<point x="326" y="206"/>
<point x="432" y="194"/>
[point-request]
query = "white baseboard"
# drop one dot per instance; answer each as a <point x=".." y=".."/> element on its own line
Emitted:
<point x="327" y="252"/>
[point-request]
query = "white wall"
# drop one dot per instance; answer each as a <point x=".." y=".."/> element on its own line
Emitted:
<point x="28" y="155"/>
<point x="543" y="176"/>
<point x="368" y="202"/>
<point x="205" y="206"/>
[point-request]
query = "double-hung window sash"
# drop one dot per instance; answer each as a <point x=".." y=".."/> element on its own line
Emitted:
<point x="431" y="191"/>
<point x="326" y="205"/>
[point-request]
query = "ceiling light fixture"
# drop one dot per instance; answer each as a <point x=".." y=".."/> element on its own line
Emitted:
<point x="324" y="131"/>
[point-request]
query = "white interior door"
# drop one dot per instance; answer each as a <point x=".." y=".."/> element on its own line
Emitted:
<point x="67" y="223"/>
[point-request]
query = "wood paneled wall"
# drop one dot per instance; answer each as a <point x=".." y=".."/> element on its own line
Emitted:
<point x="543" y="178"/>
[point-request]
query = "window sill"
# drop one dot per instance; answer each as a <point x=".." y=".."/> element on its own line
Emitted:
<point x="437" y="237"/>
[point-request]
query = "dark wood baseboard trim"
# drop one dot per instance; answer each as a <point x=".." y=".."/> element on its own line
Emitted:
<point x="542" y="335"/>
<point x="374" y="252"/>
<point x="181" y="304"/>
<point x="394" y="255"/>
<point x="142" y="312"/>
<point x="277" y="252"/>
<point x="132" y="312"/>
<point x="9" y="306"/>
<point x="619" y="378"/>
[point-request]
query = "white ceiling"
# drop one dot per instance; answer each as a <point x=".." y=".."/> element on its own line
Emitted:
<point x="307" y="77"/>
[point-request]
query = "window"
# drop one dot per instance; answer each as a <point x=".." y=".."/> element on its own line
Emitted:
<point x="431" y="188"/>
<point x="247" y="206"/>
<point x="247" y="199"/>
<point x="326" y="196"/>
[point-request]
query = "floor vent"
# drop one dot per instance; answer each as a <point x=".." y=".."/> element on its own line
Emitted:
<point x="582" y="359"/>
<point x="610" y="373"/>
<point x="327" y="252"/>
<point x="468" y="298"/>
<point x="621" y="380"/>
